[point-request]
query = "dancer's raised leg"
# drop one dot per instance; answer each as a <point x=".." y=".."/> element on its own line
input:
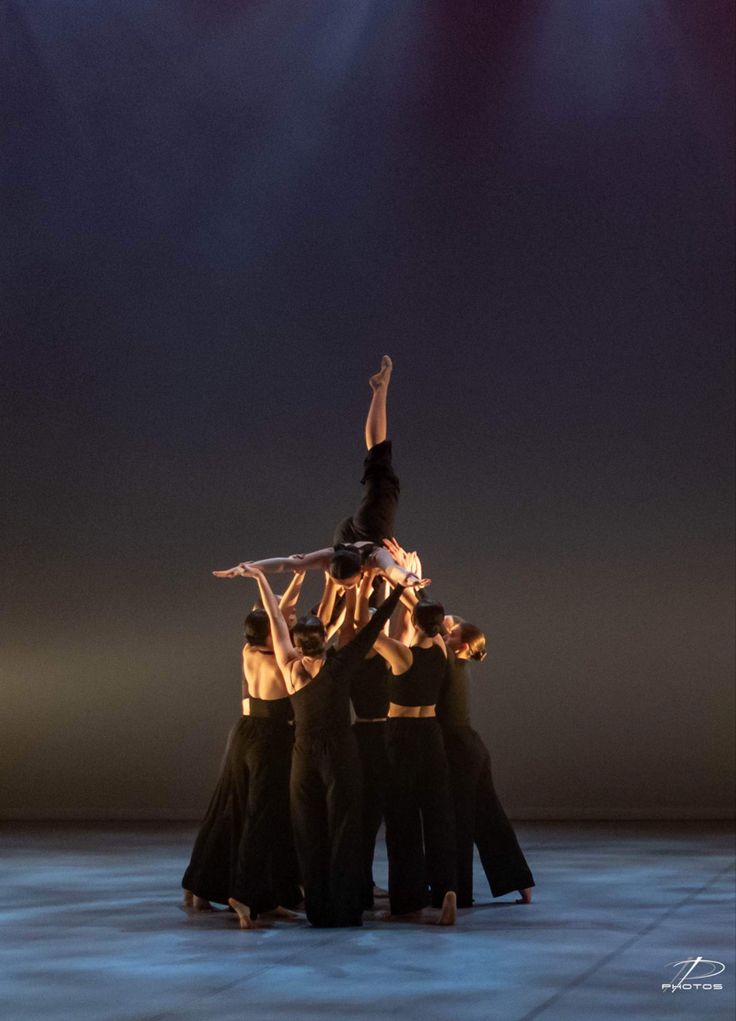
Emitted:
<point x="375" y="423"/>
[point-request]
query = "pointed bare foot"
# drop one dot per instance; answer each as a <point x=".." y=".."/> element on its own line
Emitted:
<point x="526" y="896"/>
<point x="188" y="899"/>
<point x="243" y="913"/>
<point x="201" y="903"/>
<point x="448" y="915"/>
<point x="379" y="892"/>
<point x="383" y="375"/>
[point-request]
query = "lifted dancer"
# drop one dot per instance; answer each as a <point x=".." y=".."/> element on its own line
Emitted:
<point x="325" y="777"/>
<point x="358" y="539"/>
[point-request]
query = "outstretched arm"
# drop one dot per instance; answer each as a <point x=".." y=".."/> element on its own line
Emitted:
<point x="327" y="603"/>
<point x="396" y="654"/>
<point x="318" y="560"/>
<point x="284" y="650"/>
<point x="363" y="642"/>
<point x="347" y="627"/>
<point x="397" y="575"/>
<point x="287" y="603"/>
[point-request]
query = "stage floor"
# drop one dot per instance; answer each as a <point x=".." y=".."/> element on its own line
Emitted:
<point x="92" y="929"/>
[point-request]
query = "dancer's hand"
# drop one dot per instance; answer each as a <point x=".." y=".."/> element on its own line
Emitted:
<point x="417" y="583"/>
<point x="249" y="571"/>
<point x="414" y="564"/>
<point x="239" y="571"/>
<point x="398" y="552"/>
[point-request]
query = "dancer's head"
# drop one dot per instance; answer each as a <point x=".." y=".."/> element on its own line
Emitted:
<point x="466" y="640"/>
<point x="345" y="567"/>
<point x="257" y="628"/>
<point x="428" y="616"/>
<point x="309" y="636"/>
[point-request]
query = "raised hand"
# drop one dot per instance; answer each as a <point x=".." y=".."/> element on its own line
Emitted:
<point x="397" y="552"/>
<point x="417" y="583"/>
<point x="243" y="570"/>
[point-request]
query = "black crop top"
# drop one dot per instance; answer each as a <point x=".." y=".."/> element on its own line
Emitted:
<point x="323" y="704"/>
<point x="421" y="683"/>
<point x="369" y="689"/>
<point x="271" y="708"/>
<point x="452" y="706"/>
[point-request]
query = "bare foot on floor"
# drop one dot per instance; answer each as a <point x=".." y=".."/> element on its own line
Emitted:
<point x="383" y="375"/>
<point x="413" y="916"/>
<point x="525" y="896"/>
<point x="188" y="899"/>
<point x="243" y="913"/>
<point x="281" y="912"/>
<point x="201" y="903"/>
<point x="448" y="914"/>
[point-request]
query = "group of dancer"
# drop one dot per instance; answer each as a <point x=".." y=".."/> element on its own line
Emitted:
<point x="305" y="784"/>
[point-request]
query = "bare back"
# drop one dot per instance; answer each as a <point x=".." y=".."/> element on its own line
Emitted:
<point x="262" y="674"/>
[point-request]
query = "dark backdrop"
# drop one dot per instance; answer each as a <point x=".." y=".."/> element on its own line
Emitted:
<point x="218" y="216"/>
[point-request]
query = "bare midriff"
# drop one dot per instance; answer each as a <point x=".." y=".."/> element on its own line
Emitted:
<point x="411" y="711"/>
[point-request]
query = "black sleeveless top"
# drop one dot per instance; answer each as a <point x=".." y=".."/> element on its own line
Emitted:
<point x="453" y="708"/>
<point x="421" y="683"/>
<point x="369" y="689"/>
<point x="322" y="706"/>
<point x="272" y="708"/>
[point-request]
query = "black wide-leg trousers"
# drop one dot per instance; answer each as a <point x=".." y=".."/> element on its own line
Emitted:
<point x="480" y="820"/>
<point x="245" y="847"/>
<point x="326" y="811"/>
<point x="420" y="837"/>
<point x="371" y="741"/>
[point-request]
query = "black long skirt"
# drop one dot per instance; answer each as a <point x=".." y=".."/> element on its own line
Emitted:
<point x="245" y="847"/>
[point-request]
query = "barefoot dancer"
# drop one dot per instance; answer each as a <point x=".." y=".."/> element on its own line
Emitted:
<point x="358" y="539"/>
<point x="419" y="826"/>
<point x="244" y="852"/>
<point x="479" y="815"/>
<point x="325" y="776"/>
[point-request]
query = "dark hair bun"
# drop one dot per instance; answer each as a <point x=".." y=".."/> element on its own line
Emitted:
<point x="429" y="617"/>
